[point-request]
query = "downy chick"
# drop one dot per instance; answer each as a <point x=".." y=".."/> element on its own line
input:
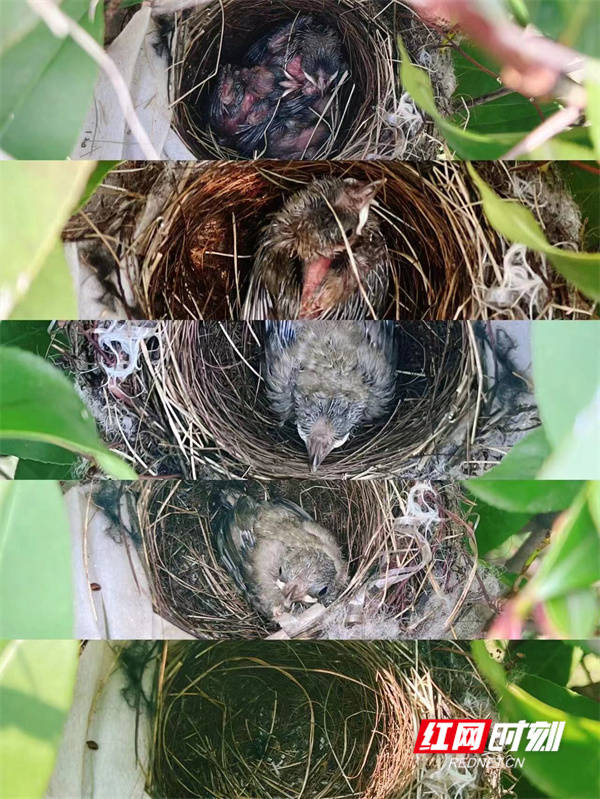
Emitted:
<point x="330" y="378"/>
<point x="303" y="268"/>
<point x="243" y="98"/>
<point x="310" y="52"/>
<point x="277" y="554"/>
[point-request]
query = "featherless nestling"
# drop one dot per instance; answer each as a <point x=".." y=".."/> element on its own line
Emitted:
<point x="330" y="378"/>
<point x="280" y="102"/>
<point x="323" y="256"/>
<point x="277" y="554"/>
<point x="243" y="99"/>
<point x="310" y="53"/>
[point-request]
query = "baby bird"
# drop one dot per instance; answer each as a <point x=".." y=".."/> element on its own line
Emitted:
<point x="330" y="378"/>
<point x="303" y="268"/>
<point x="310" y="53"/>
<point x="277" y="553"/>
<point x="243" y="98"/>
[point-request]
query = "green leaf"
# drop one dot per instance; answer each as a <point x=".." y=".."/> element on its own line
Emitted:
<point x="575" y="615"/>
<point x="476" y="145"/>
<point x="525" y="496"/>
<point x="517" y="224"/>
<point x="511" y="113"/>
<point x="496" y="526"/>
<point x="572" y="562"/>
<point x="566" y="372"/>
<point x="574" y="771"/>
<point x="574" y="24"/>
<point x="552" y="660"/>
<point x="38" y="470"/>
<point x="524" y="460"/>
<point x="42" y="196"/>
<point x="31" y="336"/>
<point x="39" y="403"/>
<point x="47" y="85"/>
<point x="37" y="679"/>
<point x="593" y="112"/>
<point x="17" y="21"/>
<point x="36" y="451"/>
<point x="559" y="697"/>
<point x="36" y="583"/>
<point x="51" y="293"/>
<point x="467" y="144"/>
<point x="96" y="178"/>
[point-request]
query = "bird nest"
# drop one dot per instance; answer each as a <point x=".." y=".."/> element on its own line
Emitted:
<point x="366" y="122"/>
<point x="216" y="391"/>
<point x="172" y="240"/>
<point x="401" y="541"/>
<point x="192" y="402"/>
<point x="324" y="719"/>
<point x="194" y="260"/>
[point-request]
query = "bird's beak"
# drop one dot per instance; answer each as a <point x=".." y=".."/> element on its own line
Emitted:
<point x="322" y="85"/>
<point x="318" y="450"/>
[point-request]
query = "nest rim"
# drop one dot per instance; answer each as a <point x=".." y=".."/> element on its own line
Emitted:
<point x="250" y="442"/>
<point x="195" y="262"/>
<point x="221" y="32"/>
<point x="191" y="588"/>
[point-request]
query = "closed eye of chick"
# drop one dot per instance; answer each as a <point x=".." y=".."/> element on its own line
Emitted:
<point x="303" y="268"/>
<point x="279" y="557"/>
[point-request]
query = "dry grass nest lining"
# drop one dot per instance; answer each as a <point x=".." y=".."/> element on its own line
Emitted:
<point x="320" y="720"/>
<point x="222" y="32"/>
<point x="191" y="588"/>
<point x="195" y="259"/>
<point x="214" y="396"/>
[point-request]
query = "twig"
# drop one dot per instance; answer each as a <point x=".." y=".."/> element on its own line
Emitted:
<point x="62" y="25"/>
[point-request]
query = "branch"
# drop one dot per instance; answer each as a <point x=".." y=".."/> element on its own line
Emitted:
<point x="532" y="64"/>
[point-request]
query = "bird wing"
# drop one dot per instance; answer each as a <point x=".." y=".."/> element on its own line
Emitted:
<point x="254" y="137"/>
<point x="234" y="534"/>
<point x="280" y="336"/>
<point x="259" y="51"/>
<point x="282" y="366"/>
<point x="295" y="509"/>
<point x="383" y="336"/>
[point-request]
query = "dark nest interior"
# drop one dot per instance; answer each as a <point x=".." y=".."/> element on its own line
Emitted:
<point x="222" y="32"/>
<point x="215" y="386"/>
<point x="325" y="720"/>
<point x="402" y="541"/>
<point x="195" y="261"/>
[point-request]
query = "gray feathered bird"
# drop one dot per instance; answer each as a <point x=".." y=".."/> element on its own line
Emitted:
<point x="277" y="554"/>
<point x="330" y="378"/>
<point x="323" y="256"/>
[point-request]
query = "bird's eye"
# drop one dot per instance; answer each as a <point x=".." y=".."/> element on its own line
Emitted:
<point x="281" y="571"/>
<point x="323" y="591"/>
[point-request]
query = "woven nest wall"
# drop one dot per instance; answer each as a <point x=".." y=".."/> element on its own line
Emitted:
<point x="320" y="720"/>
<point x="222" y="32"/>
<point x="196" y="258"/>
<point x="217" y="402"/>
<point x="388" y="559"/>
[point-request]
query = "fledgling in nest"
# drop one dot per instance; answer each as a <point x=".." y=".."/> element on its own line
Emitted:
<point x="277" y="554"/>
<point x="330" y="378"/>
<point x="323" y="256"/>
